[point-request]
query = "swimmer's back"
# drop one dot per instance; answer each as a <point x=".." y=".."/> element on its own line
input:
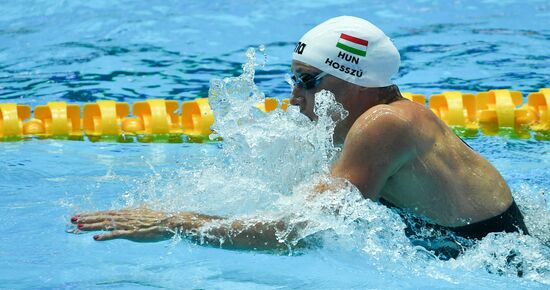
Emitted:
<point x="446" y="181"/>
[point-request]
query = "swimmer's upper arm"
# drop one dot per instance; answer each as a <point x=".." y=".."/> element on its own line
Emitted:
<point x="377" y="145"/>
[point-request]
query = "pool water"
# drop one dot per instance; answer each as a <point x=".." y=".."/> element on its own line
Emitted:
<point x="83" y="52"/>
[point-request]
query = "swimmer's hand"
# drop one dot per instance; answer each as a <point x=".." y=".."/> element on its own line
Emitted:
<point x="139" y="225"/>
<point x="145" y="225"/>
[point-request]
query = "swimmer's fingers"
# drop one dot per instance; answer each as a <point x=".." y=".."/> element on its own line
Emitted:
<point x="97" y="219"/>
<point x="149" y="234"/>
<point x="105" y="212"/>
<point x="119" y="234"/>
<point x="134" y="212"/>
<point x="117" y="219"/>
<point x="103" y="226"/>
<point x="122" y="224"/>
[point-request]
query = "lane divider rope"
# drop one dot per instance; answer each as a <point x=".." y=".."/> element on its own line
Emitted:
<point x="157" y="120"/>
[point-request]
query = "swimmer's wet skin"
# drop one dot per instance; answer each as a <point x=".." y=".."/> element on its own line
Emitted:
<point x="394" y="150"/>
<point x="145" y="225"/>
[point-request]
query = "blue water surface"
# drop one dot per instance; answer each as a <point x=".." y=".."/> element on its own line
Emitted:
<point x="81" y="52"/>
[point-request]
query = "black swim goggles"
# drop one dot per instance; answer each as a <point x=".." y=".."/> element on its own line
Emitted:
<point x="306" y="80"/>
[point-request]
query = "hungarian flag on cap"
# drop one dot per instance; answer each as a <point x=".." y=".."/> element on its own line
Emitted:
<point x="352" y="44"/>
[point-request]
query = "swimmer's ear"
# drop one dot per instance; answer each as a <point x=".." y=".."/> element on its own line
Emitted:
<point x="384" y="94"/>
<point x="367" y="92"/>
<point x="364" y="89"/>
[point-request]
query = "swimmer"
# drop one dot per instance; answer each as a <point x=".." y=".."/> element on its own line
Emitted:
<point x="394" y="151"/>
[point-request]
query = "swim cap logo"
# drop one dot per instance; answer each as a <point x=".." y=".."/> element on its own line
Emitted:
<point x="352" y="44"/>
<point x="352" y="48"/>
<point x="299" y="49"/>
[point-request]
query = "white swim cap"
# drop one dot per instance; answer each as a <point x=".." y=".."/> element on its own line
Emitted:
<point x="351" y="49"/>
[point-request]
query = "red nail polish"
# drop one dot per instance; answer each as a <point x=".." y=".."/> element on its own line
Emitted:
<point x="74" y="218"/>
<point x="79" y="226"/>
<point x="96" y="237"/>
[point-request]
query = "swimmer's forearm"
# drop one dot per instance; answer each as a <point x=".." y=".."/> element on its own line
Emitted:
<point x="248" y="235"/>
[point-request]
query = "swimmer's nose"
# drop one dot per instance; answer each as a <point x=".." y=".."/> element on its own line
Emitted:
<point x="296" y="98"/>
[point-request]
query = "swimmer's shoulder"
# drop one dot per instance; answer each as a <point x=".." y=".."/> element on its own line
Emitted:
<point x="381" y="122"/>
<point x="383" y="116"/>
<point x="401" y="122"/>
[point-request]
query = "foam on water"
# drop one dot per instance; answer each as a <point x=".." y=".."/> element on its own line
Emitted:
<point x="270" y="165"/>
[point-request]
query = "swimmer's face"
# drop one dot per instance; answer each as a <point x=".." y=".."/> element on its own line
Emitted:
<point x="304" y="96"/>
